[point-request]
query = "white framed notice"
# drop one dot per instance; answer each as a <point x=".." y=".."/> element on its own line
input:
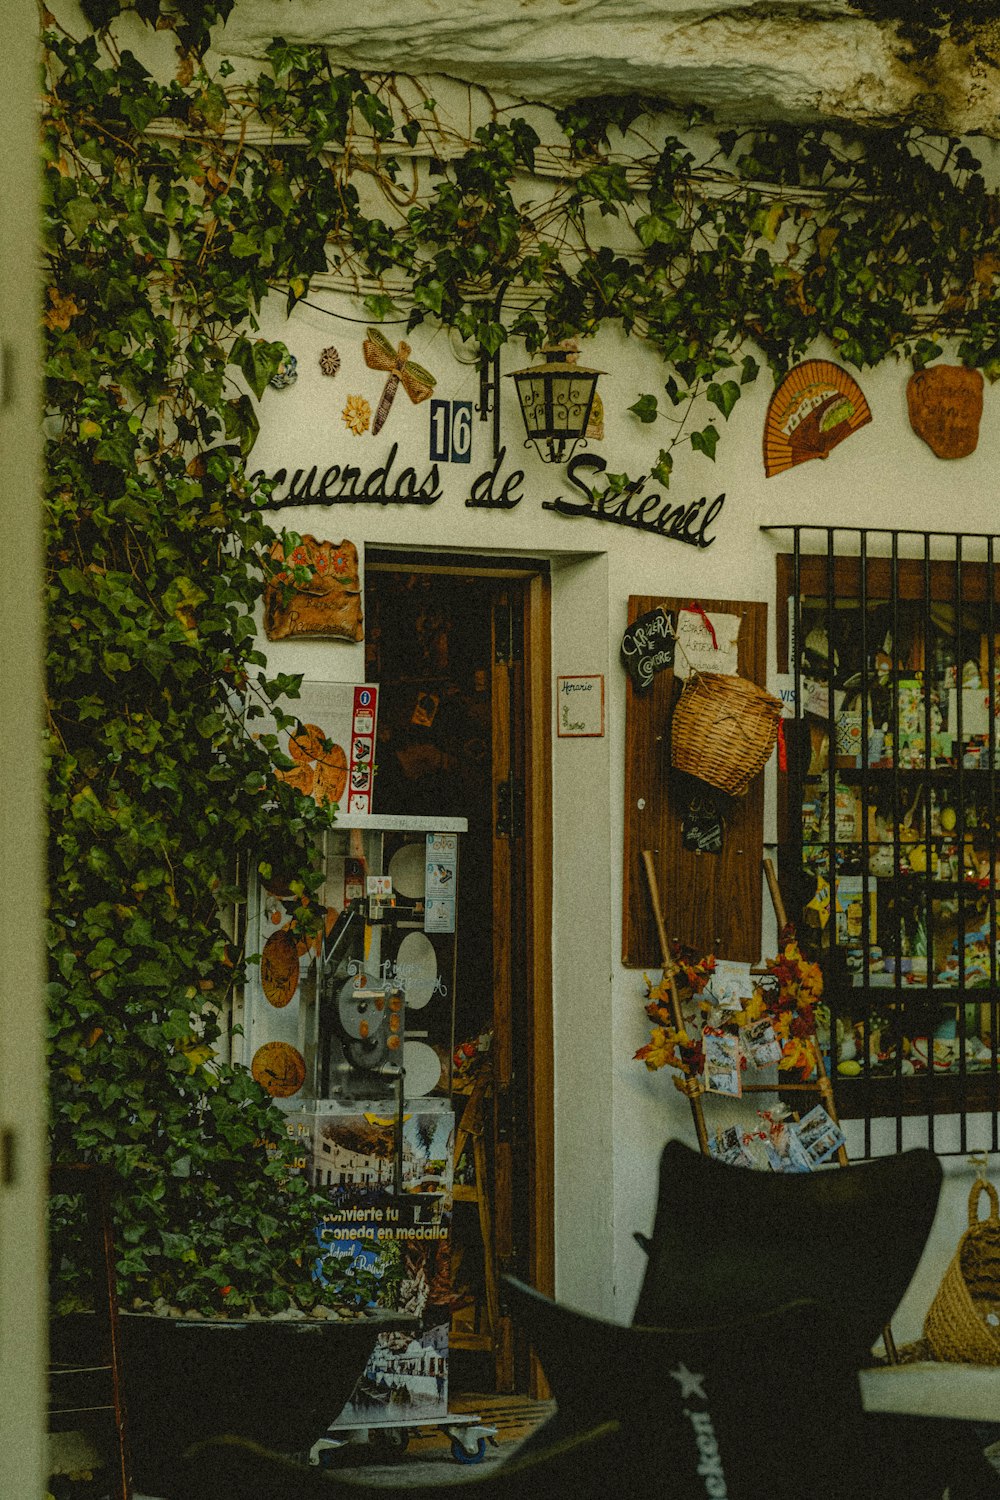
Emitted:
<point x="580" y="706"/>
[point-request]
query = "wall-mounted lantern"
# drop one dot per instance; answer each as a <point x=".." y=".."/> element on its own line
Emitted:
<point x="556" y="399"/>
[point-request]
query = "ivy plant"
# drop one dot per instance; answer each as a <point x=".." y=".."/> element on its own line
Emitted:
<point x="172" y="208"/>
<point x="161" y="802"/>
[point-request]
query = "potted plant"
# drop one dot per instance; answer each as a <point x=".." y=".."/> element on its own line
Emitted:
<point x="161" y="803"/>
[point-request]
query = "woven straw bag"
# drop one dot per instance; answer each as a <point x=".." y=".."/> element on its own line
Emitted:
<point x="724" y="729"/>
<point x="956" y="1328"/>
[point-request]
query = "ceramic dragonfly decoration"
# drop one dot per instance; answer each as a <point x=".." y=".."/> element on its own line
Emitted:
<point x="417" y="382"/>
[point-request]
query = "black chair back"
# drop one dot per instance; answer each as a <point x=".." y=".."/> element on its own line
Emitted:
<point x="850" y="1237"/>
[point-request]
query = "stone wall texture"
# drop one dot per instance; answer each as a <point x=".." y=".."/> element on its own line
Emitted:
<point x="746" y="62"/>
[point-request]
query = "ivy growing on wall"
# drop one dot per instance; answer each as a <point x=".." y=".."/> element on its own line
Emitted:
<point x="171" y="210"/>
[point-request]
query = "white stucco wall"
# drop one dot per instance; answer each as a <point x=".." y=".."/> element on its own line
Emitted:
<point x="612" y="1116"/>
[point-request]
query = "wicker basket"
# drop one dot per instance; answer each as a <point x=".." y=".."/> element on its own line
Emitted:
<point x="724" y="728"/>
<point x="956" y="1327"/>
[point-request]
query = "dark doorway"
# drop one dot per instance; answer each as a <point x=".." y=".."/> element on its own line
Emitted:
<point x="451" y="648"/>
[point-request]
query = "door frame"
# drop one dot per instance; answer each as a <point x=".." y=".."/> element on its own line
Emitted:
<point x="540" y="1090"/>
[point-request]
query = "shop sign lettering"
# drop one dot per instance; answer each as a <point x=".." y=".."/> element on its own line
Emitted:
<point x="344" y="484"/>
<point x="632" y="507"/>
<point x="485" y="494"/>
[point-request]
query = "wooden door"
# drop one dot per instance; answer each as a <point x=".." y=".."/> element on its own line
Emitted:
<point x="501" y="616"/>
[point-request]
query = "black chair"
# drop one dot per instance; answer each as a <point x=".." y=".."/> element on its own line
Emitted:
<point x="762" y="1407"/>
<point x="822" y="1259"/>
<point x="228" y="1468"/>
<point x="850" y="1237"/>
<point x="765" y="1407"/>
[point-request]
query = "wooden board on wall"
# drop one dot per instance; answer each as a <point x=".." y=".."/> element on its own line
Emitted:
<point x="711" y="902"/>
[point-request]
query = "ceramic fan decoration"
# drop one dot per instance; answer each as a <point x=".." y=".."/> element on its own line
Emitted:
<point x="816" y="406"/>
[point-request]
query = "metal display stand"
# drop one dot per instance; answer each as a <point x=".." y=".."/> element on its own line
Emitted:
<point x="368" y="1021"/>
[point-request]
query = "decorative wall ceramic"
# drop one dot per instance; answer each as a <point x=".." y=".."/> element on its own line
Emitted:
<point x="279" y="968"/>
<point x="279" y="1068"/>
<point x="357" y="415"/>
<point x="814" y="408"/>
<point x="286" y="374"/>
<point x="320" y="769"/>
<point x="945" y="404"/>
<point x="417" y="382"/>
<point x="329" y="361"/>
<point x="327" y="604"/>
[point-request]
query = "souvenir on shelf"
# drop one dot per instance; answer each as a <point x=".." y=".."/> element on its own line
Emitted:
<point x="889" y="838"/>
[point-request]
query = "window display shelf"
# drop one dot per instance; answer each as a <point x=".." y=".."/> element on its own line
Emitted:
<point x="889" y="798"/>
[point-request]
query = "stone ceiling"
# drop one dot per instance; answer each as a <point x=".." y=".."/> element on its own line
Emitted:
<point x="806" y="61"/>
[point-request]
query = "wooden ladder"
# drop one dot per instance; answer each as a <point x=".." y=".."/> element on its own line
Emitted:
<point x="495" y="1333"/>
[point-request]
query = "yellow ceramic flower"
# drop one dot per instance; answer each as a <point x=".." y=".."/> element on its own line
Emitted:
<point x="357" y="414"/>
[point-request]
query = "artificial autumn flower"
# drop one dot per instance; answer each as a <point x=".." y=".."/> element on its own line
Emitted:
<point x="668" y="1048"/>
<point x="357" y="415"/>
<point x="797" y="1057"/>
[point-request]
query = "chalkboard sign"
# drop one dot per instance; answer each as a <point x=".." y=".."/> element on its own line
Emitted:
<point x="702" y="822"/>
<point x="648" y="646"/>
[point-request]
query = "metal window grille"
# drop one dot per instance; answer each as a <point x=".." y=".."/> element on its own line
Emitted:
<point x="888" y="848"/>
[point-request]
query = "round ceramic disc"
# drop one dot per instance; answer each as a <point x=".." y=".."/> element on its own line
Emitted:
<point x="406" y="868"/>
<point x="416" y="963"/>
<point x="423" y="1069"/>
<point x="279" y="967"/>
<point x="279" y="1068"/>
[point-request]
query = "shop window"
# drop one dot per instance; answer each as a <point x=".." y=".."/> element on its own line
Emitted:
<point x="887" y="820"/>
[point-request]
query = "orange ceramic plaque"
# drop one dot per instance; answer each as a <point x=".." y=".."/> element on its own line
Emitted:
<point x="279" y="968"/>
<point x="945" y="404"/>
<point x="321" y="765"/>
<point x="318" y="594"/>
<point x="815" y="407"/>
<point x="279" y="1068"/>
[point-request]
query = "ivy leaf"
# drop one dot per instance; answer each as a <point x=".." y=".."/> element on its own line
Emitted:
<point x="491" y="336"/>
<point x="749" y="370"/>
<point x="241" y="422"/>
<point x="280" y="193"/>
<point x="245" y="246"/>
<point x="662" y="468"/>
<point x="79" y="212"/>
<point x="705" y="441"/>
<point x="724" y="396"/>
<point x="646" y="408"/>
<point x="379" y="306"/>
<point x="430" y="294"/>
<point x="258" y="361"/>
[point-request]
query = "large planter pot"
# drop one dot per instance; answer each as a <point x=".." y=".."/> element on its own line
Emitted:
<point x="279" y="1382"/>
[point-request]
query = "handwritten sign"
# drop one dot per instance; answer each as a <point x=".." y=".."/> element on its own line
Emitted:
<point x="648" y="646"/>
<point x="698" y="652"/>
<point x="580" y="713"/>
